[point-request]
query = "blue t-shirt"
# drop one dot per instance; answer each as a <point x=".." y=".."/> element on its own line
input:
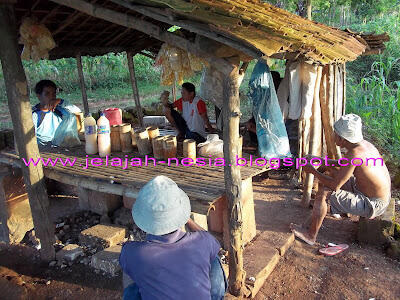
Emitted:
<point x="173" y="266"/>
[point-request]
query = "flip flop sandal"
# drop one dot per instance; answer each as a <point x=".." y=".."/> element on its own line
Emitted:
<point x="330" y="251"/>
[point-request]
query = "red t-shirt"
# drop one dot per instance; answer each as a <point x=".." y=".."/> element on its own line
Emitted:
<point x="201" y="106"/>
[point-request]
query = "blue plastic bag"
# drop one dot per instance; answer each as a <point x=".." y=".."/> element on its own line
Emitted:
<point x="66" y="134"/>
<point x="272" y="137"/>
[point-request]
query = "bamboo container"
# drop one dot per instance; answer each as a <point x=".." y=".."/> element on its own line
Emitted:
<point x="143" y="142"/>
<point x="115" y="138"/>
<point x="240" y="152"/>
<point x="133" y="137"/>
<point x="153" y="132"/>
<point x="79" y="121"/>
<point x="169" y="148"/>
<point x="125" y="137"/>
<point x="158" y="147"/>
<point x="189" y="149"/>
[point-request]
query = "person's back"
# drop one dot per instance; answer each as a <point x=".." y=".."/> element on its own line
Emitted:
<point x="372" y="177"/>
<point x="173" y="266"/>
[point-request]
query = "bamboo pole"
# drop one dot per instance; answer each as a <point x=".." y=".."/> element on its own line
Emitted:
<point x="135" y="89"/>
<point x="82" y="84"/>
<point x="315" y="138"/>
<point x="344" y="88"/>
<point x="331" y="91"/>
<point x="21" y="116"/>
<point x="233" y="182"/>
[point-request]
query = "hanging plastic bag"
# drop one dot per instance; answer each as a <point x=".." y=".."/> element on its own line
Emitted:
<point x="66" y="134"/>
<point x="272" y="137"/>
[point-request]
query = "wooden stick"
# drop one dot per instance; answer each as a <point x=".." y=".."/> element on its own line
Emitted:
<point x="135" y="89"/>
<point x="233" y="183"/>
<point x="21" y="116"/>
<point x="82" y="84"/>
<point x="315" y="138"/>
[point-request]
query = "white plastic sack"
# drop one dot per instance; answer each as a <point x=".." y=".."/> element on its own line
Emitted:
<point x="213" y="146"/>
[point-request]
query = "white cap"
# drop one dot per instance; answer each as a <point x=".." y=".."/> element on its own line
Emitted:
<point x="349" y="127"/>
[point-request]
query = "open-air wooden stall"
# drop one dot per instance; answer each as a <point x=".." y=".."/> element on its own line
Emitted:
<point x="241" y="30"/>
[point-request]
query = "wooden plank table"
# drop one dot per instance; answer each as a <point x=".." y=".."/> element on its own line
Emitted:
<point x="205" y="185"/>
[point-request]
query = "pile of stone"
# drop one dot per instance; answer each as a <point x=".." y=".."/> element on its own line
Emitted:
<point x="94" y="240"/>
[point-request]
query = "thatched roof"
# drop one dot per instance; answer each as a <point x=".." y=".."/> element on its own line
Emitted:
<point x="256" y="29"/>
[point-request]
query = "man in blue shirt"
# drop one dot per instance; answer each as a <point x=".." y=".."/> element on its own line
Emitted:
<point x="48" y="114"/>
<point x="170" y="263"/>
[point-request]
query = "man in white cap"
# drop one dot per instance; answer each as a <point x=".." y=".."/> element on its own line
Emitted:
<point x="170" y="264"/>
<point x="360" y="186"/>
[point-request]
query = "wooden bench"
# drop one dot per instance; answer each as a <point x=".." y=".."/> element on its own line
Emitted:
<point x="102" y="187"/>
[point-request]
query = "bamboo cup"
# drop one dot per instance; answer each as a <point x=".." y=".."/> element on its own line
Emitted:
<point x="133" y="136"/>
<point x="126" y="137"/>
<point x="189" y="149"/>
<point x="115" y="138"/>
<point x="158" y="147"/>
<point x="153" y="132"/>
<point x="143" y="142"/>
<point x="169" y="148"/>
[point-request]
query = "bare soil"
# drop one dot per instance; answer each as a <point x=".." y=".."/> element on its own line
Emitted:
<point x="361" y="272"/>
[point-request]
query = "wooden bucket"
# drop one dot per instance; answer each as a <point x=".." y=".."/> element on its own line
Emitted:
<point x="126" y="137"/>
<point x="143" y="142"/>
<point x="189" y="149"/>
<point x="115" y="138"/>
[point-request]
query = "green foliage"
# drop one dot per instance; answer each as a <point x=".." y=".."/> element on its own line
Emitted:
<point x="377" y="101"/>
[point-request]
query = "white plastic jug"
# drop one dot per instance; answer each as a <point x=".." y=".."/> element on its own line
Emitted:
<point x="103" y="136"/>
<point x="90" y="135"/>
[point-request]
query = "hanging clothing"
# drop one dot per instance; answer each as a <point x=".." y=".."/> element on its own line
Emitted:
<point x="271" y="132"/>
<point x="296" y="91"/>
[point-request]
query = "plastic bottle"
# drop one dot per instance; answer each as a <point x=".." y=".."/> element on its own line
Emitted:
<point x="103" y="136"/>
<point x="90" y="135"/>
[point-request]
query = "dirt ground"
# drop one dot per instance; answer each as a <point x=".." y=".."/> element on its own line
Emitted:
<point x="362" y="272"/>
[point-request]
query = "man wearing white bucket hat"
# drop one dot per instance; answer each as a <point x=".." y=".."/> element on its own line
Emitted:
<point x="170" y="264"/>
<point x="361" y="185"/>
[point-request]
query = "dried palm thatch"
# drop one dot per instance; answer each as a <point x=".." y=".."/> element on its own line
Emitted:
<point x="267" y="28"/>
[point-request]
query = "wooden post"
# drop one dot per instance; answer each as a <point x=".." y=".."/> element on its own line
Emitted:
<point x="315" y="138"/>
<point x="135" y="90"/>
<point x="21" y="116"/>
<point x="344" y="88"/>
<point x="309" y="9"/>
<point x="231" y="118"/>
<point x="331" y="109"/>
<point x="82" y="84"/>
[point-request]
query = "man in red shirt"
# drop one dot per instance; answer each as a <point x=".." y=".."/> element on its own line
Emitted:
<point x="193" y="120"/>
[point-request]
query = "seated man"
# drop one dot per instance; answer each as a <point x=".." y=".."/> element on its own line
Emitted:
<point x="191" y="124"/>
<point x="362" y="190"/>
<point x="170" y="264"/>
<point x="48" y="113"/>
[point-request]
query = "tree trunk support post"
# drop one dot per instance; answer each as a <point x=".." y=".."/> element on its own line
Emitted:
<point x="21" y="116"/>
<point x="233" y="182"/>
<point x="82" y="84"/>
<point x="135" y="89"/>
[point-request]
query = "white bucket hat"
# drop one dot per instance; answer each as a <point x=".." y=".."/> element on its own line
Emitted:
<point x="161" y="207"/>
<point x="349" y="127"/>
